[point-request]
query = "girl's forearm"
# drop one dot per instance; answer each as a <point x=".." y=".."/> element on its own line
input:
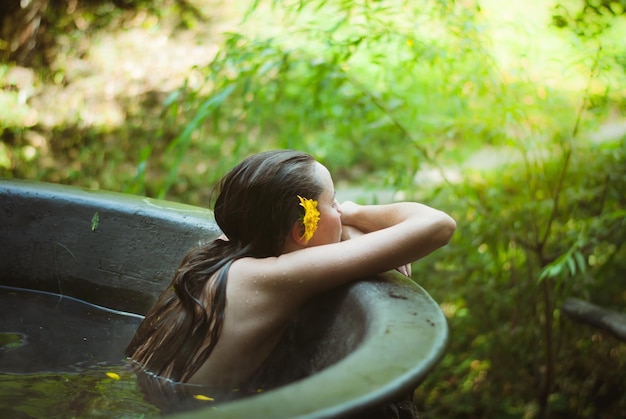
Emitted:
<point x="368" y="218"/>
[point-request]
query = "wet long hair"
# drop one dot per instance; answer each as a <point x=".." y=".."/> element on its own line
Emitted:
<point x="256" y="208"/>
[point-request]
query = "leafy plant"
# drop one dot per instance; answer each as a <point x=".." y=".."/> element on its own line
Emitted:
<point x="545" y="226"/>
<point x="358" y="76"/>
<point x="391" y="89"/>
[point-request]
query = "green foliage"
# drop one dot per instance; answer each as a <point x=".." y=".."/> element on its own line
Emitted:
<point x="351" y="72"/>
<point x="52" y="129"/>
<point x="31" y="29"/>
<point x="588" y="18"/>
<point x="524" y="246"/>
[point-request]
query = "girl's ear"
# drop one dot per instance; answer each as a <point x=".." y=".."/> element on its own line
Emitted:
<point x="297" y="230"/>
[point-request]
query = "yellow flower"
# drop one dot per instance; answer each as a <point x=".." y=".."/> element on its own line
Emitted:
<point x="311" y="217"/>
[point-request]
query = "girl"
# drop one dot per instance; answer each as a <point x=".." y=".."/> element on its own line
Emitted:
<point x="285" y="241"/>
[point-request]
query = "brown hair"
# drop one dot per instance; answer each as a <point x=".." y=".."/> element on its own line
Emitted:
<point x="256" y="207"/>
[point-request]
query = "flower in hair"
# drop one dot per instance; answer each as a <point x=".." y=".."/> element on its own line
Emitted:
<point x="311" y="217"/>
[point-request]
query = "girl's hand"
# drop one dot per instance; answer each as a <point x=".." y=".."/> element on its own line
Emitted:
<point x="348" y="211"/>
<point x="405" y="270"/>
<point x="349" y="232"/>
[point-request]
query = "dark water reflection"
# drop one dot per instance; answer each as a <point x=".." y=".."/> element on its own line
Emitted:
<point x="59" y="334"/>
<point x="61" y="357"/>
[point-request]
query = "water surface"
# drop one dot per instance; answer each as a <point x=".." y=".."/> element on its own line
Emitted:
<point x="61" y="357"/>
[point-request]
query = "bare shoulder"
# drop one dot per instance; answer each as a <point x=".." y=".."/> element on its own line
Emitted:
<point x="257" y="286"/>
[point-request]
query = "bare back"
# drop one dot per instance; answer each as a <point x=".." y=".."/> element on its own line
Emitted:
<point x="253" y="325"/>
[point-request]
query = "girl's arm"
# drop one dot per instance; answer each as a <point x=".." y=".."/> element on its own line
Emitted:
<point x="397" y="234"/>
<point x="369" y="218"/>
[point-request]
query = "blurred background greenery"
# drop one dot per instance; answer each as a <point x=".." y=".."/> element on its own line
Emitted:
<point x="511" y="116"/>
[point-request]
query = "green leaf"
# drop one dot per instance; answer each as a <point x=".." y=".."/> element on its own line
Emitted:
<point x="95" y="221"/>
<point x="580" y="261"/>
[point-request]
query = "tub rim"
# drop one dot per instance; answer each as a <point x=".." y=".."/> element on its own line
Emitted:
<point x="406" y="338"/>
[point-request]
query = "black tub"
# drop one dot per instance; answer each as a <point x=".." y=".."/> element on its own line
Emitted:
<point x="362" y="346"/>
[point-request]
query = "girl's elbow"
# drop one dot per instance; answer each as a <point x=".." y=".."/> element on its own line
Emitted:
<point x="447" y="228"/>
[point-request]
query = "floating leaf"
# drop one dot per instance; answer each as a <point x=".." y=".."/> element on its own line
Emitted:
<point x="202" y="397"/>
<point x="95" y="220"/>
<point x="113" y="375"/>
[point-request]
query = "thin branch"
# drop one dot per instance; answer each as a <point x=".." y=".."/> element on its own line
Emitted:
<point x="383" y="108"/>
<point x="568" y="152"/>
